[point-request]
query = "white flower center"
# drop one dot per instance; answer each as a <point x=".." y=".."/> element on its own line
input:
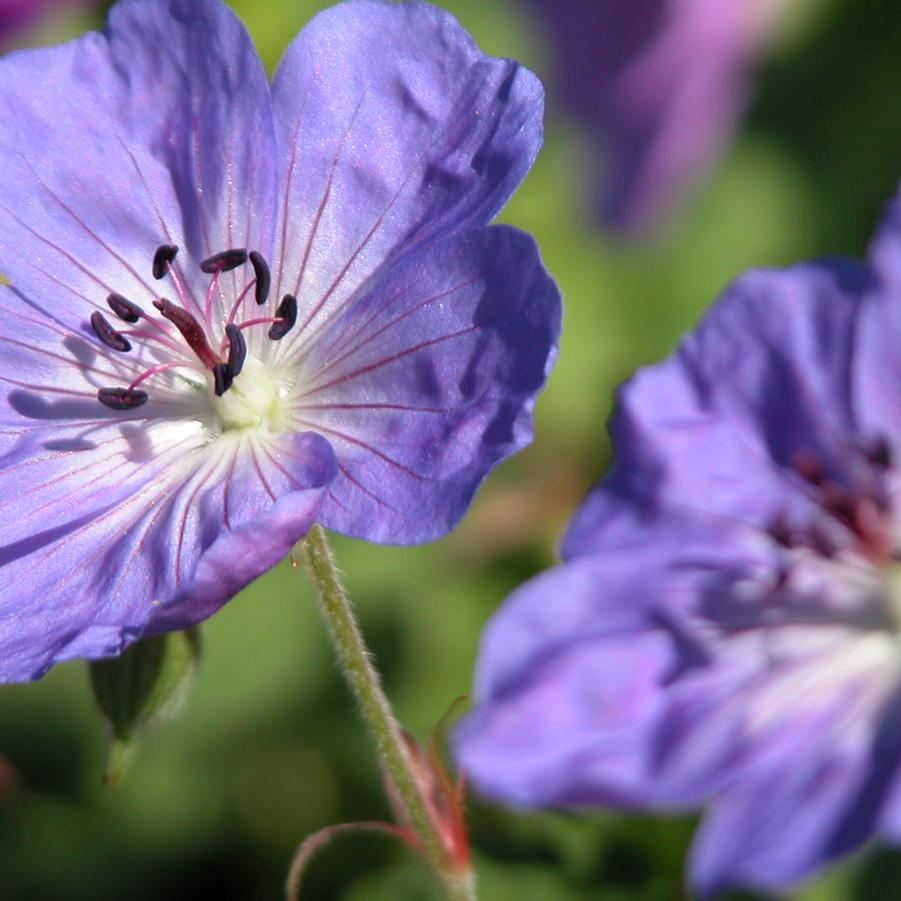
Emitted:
<point x="254" y="401"/>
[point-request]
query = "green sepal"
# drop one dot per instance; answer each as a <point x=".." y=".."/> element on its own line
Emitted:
<point x="143" y="688"/>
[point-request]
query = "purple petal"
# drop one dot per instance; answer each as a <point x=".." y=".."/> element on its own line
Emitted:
<point x="151" y="548"/>
<point x="270" y="498"/>
<point x="885" y="783"/>
<point x="661" y="85"/>
<point x="576" y="732"/>
<point x="715" y="429"/>
<point x="429" y="380"/>
<point x="808" y="793"/>
<point x="158" y="131"/>
<point x="559" y="692"/>
<point x="878" y="332"/>
<point x="394" y="130"/>
<point x="574" y="688"/>
<point x="627" y="589"/>
<point x="591" y="693"/>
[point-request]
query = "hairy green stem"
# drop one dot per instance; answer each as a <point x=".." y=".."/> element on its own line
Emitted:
<point x="365" y="685"/>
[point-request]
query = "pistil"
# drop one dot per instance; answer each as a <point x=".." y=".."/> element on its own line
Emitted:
<point x="190" y="329"/>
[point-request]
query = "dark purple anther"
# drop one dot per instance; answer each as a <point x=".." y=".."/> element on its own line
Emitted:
<point x="124" y="308"/>
<point x="879" y="453"/>
<point x="190" y="329"/>
<point x="840" y="504"/>
<point x="164" y="255"/>
<point x="237" y="349"/>
<point x="107" y="334"/>
<point x="821" y="542"/>
<point x="222" y="378"/>
<point x="808" y="465"/>
<point x="781" y="532"/>
<point x="287" y="313"/>
<point x="122" y="398"/>
<point x="224" y="261"/>
<point x="262" y="275"/>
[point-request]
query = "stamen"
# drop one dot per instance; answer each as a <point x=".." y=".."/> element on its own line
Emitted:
<point x="239" y="300"/>
<point x="808" y="465"/>
<point x="164" y="255"/>
<point x="263" y="277"/>
<point x="224" y="261"/>
<point x="780" y="531"/>
<point x="840" y="503"/>
<point x="190" y="329"/>
<point x="124" y="308"/>
<point x="820" y="542"/>
<point x="156" y="370"/>
<point x="879" y="453"/>
<point x="131" y="312"/>
<point x="222" y="378"/>
<point x="210" y="294"/>
<point x="263" y="320"/>
<point x="287" y="315"/>
<point x="160" y="335"/>
<point x="121" y="398"/>
<point x="107" y="334"/>
<point x="237" y="349"/>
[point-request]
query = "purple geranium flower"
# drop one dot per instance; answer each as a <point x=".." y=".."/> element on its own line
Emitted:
<point x="238" y="309"/>
<point x="660" y="84"/>
<point x="726" y="628"/>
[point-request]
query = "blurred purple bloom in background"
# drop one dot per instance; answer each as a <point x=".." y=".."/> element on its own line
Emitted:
<point x="726" y="626"/>
<point x="660" y="84"/>
<point x="18" y="14"/>
<point x="236" y="310"/>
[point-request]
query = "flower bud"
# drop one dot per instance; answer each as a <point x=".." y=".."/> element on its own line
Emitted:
<point x="144" y="687"/>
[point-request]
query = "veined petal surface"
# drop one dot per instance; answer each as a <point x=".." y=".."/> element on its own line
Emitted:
<point x="156" y="131"/>
<point x="383" y="151"/>
<point x="429" y="380"/>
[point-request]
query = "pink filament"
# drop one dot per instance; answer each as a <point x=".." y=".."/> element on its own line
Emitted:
<point x="157" y="369"/>
<point x="240" y="300"/>
<point x="261" y="321"/>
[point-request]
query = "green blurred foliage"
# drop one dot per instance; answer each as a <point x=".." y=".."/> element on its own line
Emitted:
<point x="268" y="748"/>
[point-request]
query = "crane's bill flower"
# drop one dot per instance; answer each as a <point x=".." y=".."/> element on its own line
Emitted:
<point x="725" y="629"/>
<point x="236" y="309"/>
<point x="660" y="85"/>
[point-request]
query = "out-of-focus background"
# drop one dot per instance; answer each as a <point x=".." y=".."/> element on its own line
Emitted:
<point x="268" y="748"/>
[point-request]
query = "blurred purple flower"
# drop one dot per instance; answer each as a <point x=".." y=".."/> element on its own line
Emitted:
<point x="727" y="625"/>
<point x="660" y="84"/>
<point x="343" y="339"/>
<point x="18" y="14"/>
